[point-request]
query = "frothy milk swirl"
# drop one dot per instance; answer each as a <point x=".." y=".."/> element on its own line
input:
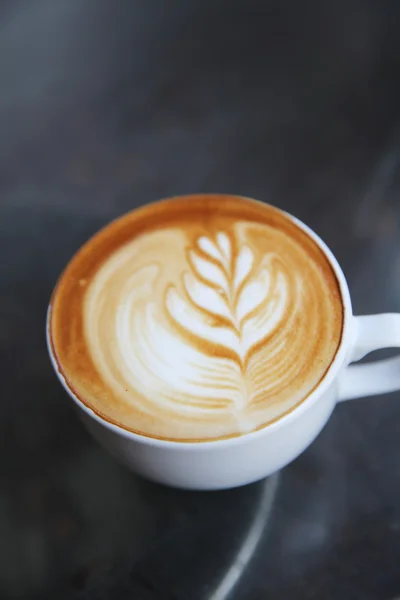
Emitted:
<point x="201" y="334"/>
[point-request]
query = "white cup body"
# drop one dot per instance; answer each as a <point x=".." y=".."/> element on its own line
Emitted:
<point x="236" y="461"/>
<point x="217" y="465"/>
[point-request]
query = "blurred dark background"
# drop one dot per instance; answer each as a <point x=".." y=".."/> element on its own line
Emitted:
<point x="106" y="105"/>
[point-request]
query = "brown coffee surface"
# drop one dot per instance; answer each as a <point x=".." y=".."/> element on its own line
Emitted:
<point x="196" y="318"/>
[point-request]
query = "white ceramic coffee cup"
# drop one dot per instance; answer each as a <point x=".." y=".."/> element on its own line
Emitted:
<point x="240" y="460"/>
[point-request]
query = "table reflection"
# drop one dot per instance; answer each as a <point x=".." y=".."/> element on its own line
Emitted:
<point x="257" y="528"/>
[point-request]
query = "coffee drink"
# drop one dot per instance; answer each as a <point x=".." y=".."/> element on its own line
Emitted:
<point x="196" y="318"/>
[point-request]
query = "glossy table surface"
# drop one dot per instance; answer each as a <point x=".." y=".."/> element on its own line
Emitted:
<point x="105" y="106"/>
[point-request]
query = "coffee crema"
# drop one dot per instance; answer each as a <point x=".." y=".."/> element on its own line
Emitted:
<point x="196" y="318"/>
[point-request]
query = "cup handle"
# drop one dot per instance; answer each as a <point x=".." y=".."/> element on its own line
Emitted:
<point x="382" y="376"/>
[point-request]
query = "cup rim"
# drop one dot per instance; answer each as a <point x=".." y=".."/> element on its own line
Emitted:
<point x="285" y="419"/>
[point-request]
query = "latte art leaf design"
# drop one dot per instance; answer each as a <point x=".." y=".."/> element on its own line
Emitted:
<point x="200" y="318"/>
<point x="228" y="300"/>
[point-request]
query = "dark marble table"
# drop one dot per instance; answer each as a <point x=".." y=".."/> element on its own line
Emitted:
<point x="106" y="105"/>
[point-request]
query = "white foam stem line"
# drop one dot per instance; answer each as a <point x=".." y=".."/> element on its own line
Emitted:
<point x="250" y="542"/>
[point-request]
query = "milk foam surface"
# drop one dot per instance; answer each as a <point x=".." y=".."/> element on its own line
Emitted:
<point x="202" y="328"/>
